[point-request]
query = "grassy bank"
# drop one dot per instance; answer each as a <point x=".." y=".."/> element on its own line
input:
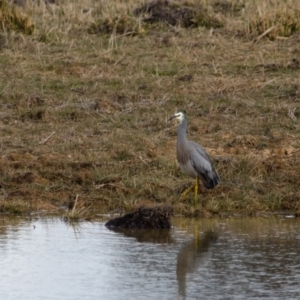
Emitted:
<point x="87" y="86"/>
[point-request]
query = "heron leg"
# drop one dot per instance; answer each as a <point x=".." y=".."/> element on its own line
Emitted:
<point x="196" y="190"/>
<point x="186" y="191"/>
<point x="196" y="235"/>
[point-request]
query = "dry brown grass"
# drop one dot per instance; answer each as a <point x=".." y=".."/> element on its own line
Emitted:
<point x="85" y="114"/>
<point x="12" y="18"/>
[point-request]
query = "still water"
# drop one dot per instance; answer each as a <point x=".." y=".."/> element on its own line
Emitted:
<point x="248" y="258"/>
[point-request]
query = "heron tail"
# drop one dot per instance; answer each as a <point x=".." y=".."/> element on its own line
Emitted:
<point x="211" y="179"/>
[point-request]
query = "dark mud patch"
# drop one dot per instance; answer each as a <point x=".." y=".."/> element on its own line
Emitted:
<point x="294" y="64"/>
<point x="176" y="14"/>
<point x="145" y="217"/>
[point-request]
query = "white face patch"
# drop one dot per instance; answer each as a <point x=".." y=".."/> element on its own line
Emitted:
<point x="179" y="116"/>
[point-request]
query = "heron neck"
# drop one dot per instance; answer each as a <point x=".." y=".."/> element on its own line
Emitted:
<point x="182" y="143"/>
<point x="182" y="130"/>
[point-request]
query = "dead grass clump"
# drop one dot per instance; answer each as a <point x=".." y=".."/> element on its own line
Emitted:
<point x="243" y="141"/>
<point x="290" y="202"/>
<point x="280" y="23"/>
<point x="34" y="101"/>
<point x="294" y="64"/>
<point x="285" y="91"/>
<point x="34" y="114"/>
<point x="247" y="171"/>
<point x="228" y="7"/>
<point x="21" y="3"/>
<point x="27" y="177"/>
<point x="121" y="24"/>
<point x="176" y="14"/>
<point x="15" y="206"/>
<point x="144" y="217"/>
<point x="77" y="211"/>
<point x="12" y="19"/>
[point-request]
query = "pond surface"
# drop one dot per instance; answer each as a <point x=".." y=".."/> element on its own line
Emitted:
<point x="247" y="258"/>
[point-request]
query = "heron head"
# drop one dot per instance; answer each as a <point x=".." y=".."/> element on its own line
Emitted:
<point x="180" y="116"/>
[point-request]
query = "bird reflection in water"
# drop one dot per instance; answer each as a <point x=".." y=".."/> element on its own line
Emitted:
<point x="156" y="236"/>
<point x="192" y="256"/>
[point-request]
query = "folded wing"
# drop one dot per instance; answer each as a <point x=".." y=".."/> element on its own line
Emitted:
<point x="203" y="165"/>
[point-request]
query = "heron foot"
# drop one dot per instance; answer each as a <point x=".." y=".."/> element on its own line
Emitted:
<point x="196" y="190"/>
<point x="186" y="191"/>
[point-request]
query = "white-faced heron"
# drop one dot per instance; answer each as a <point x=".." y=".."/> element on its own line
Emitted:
<point x="193" y="159"/>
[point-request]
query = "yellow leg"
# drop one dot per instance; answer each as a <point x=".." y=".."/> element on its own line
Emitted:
<point x="185" y="192"/>
<point x="196" y="187"/>
<point x="196" y="236"/>
<point x="196" y="190"/>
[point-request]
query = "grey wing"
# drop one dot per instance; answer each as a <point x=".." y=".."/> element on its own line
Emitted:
<point x="199" y="157"/>
<point x="203" y="165"/>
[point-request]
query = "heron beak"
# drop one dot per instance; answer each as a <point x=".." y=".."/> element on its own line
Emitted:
<point x="173" y="117"/>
